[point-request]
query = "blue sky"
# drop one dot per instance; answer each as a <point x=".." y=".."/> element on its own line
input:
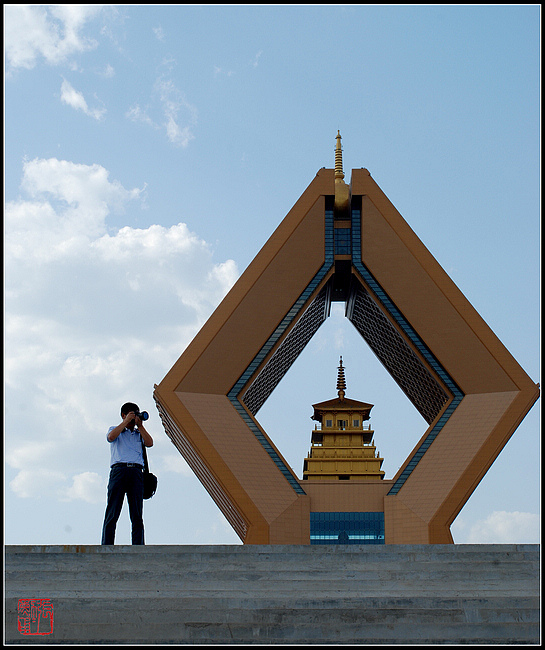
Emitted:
<point x="150" y="151"/>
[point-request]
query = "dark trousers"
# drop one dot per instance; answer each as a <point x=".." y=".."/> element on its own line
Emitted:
<point x="129" y="481"/>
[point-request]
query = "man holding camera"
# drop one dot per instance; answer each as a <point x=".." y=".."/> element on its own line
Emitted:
<point x="126" y="473"/>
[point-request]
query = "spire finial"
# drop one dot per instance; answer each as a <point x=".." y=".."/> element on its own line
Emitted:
<point x="339" y="174"/>
<point x="342" y="191"/>
<point x="341" y="383"/>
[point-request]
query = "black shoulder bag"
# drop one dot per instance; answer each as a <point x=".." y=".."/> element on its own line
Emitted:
<point x="150" y="480"/>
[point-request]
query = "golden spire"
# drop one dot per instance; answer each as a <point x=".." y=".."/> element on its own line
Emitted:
<point x="339" y="174"/>
<point x="341" y="383"/>
<point x="342" y="191"/>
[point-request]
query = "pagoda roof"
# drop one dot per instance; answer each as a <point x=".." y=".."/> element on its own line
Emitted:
<point x="344" y="403"/>
<point x="340" y="404"/>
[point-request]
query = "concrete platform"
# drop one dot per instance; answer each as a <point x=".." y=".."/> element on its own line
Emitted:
<point x="276" y="595"/>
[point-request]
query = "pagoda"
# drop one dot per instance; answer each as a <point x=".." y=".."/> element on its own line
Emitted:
<point x="342" y="447"/>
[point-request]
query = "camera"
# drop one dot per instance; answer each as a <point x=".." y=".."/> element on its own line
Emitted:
<point x="144" y="415"/>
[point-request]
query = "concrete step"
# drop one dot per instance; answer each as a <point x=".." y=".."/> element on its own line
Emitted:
<point x="276" y="594"/>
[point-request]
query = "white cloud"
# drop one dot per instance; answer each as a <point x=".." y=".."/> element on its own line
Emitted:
<point x="34" y="460"/>
<point x="76" y="100"/>
<point x="500" y="527"/>
<point x="87" y="486"/>
<point x="221" y="71"/>
<point x="31" y="453"/>
<point x="53" y="32"/>
<point x="175" y="463"/>
<point x="94" y="317"/>
<point x="137" y="114"/>
<point x="109" y="71"/>
<point x="159" y="33"/>
<point x="179" y="115"/>
<point x="36" y="482"/>
<point x="67" y="209"/>
<point x="223" y="275"/>
<point x="169" y="110"/>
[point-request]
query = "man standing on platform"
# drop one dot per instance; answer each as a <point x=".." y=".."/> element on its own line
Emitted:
<point x="126" y="473"/>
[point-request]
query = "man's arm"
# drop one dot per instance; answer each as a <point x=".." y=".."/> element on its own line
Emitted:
<point x="120" y="427"/>
<point x="148" y="440"/>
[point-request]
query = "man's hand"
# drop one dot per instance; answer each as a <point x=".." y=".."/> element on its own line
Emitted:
<point x="129" y="418"/>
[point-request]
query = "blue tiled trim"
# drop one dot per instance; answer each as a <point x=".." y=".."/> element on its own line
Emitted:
<point x="413" y="336"/>
<point x="273" y="339"/>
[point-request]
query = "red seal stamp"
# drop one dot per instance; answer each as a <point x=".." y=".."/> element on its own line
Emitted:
<point x="35" y="616"/>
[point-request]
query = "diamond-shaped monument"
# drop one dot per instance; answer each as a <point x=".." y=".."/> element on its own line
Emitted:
<point x="344" y="243"/>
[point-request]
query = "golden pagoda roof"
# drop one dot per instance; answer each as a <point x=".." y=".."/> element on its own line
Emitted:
<point x="337" y="404"/>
